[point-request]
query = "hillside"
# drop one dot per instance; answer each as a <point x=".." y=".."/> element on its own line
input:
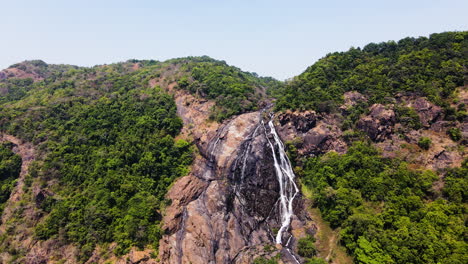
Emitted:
<point x="183" y="161"/>
<point x="431" y="67"/>
<point x="106" y="147"/>
<point x="380" y="144"/>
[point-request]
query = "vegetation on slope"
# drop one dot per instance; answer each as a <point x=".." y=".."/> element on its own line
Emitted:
<point x="10" y="167"/>
<point x="107" y="142"/>
<point x="108" y="148"/>
<point x="386" y="211"/>
<point x="431" y="67"/>
<point x="233" y="90"/>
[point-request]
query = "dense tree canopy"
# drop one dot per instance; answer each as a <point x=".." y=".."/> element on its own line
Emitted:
<point x="107" y="139"/>
<point x="431" y="67"/>
<point x="387" y="212"/>
<point x="233" y="90"/>
<point x="107" y="143"/>
<point x="10" y="166"/>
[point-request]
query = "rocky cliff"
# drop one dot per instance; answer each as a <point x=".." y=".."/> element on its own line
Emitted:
<point x="315" y="134"/>
<point x="239" y="202"/>
<point x="226" y="210"/>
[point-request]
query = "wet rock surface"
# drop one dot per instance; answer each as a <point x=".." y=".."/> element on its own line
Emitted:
<point x="228" y="206"/>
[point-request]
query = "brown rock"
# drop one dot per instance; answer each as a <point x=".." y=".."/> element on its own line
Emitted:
<point x="446" y="159"/>
<point x="184" y="190"/>
<point x="440" y="126"/>
<point x="464" y="130"/>
<point x="311" y="133"/>
<point x="379" y="124"/>
<point x="427" y="111"/>
<point x="136" y="256"/>
<point x="301" y="121"/>
<point x="351" y="99"/>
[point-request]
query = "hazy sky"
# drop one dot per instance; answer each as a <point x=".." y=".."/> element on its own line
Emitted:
<point x="273" y="38"/>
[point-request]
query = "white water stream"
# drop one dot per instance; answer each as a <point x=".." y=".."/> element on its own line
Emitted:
<point x="285" y="175"/>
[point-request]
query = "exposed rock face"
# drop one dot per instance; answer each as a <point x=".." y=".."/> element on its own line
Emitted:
<point x="313" y="134"/>
<point x="300" y="121"/>
<point x="442" y="153"/>
<point x="227" y="207"/>
<point x="379" y="123"/>
<point x="464" y="130"/>
<point x="20" y="74"/>
<point x="440" y="126"/>
<point x="428" y="112"/>
<point x="351" y="99"/>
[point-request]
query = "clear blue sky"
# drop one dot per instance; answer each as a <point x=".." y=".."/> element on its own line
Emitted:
<point x="272" y="38"/>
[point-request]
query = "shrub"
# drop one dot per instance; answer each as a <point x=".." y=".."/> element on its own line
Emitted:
<point x="316" y="261"/>
<point x="408" y="117"/>
<point x="263" y="260"/>
<point x="424" y="143"/>
<point x="306" y="247"/>
<point x="454" y="133"/>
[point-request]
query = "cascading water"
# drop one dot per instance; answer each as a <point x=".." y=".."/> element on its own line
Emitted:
<point x="285" y="175"/>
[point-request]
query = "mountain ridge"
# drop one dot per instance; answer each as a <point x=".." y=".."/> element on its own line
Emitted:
<point x="142" y="157"/>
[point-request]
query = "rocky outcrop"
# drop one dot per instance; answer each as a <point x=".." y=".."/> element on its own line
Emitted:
<point x="20" y="74"/>
<point x="315" y="134"/>
<point x="427" y="111"/>
<point x="464" y="131"/>
<point x="311" y="133"/>
<point x="379" y="124"/>
<point x="299" y="121"/>
<point x="440" y="126"/>
<point x="227" y="207"/>
<point x="351" y="99"/>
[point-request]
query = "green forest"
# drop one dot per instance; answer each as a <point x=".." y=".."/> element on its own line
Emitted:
<point x="108" y="143"/>
<point x="426" y="66"/>
<point x="109" y="147"/>
<point x="387" y="212"/>
<point x="10" y="166"/>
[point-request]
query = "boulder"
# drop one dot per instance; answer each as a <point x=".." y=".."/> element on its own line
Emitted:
<point x="427" y="111"/>
<point x="301" y="121"/>
<point x="351" y="99"/>
<point x="440" y="126"/>
<point x="379" y="124"/>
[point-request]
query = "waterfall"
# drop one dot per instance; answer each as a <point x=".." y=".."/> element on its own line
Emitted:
<point x="285" y="175"/>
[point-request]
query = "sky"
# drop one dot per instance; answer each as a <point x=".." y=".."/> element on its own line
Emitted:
<point x="269" y="37"/>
